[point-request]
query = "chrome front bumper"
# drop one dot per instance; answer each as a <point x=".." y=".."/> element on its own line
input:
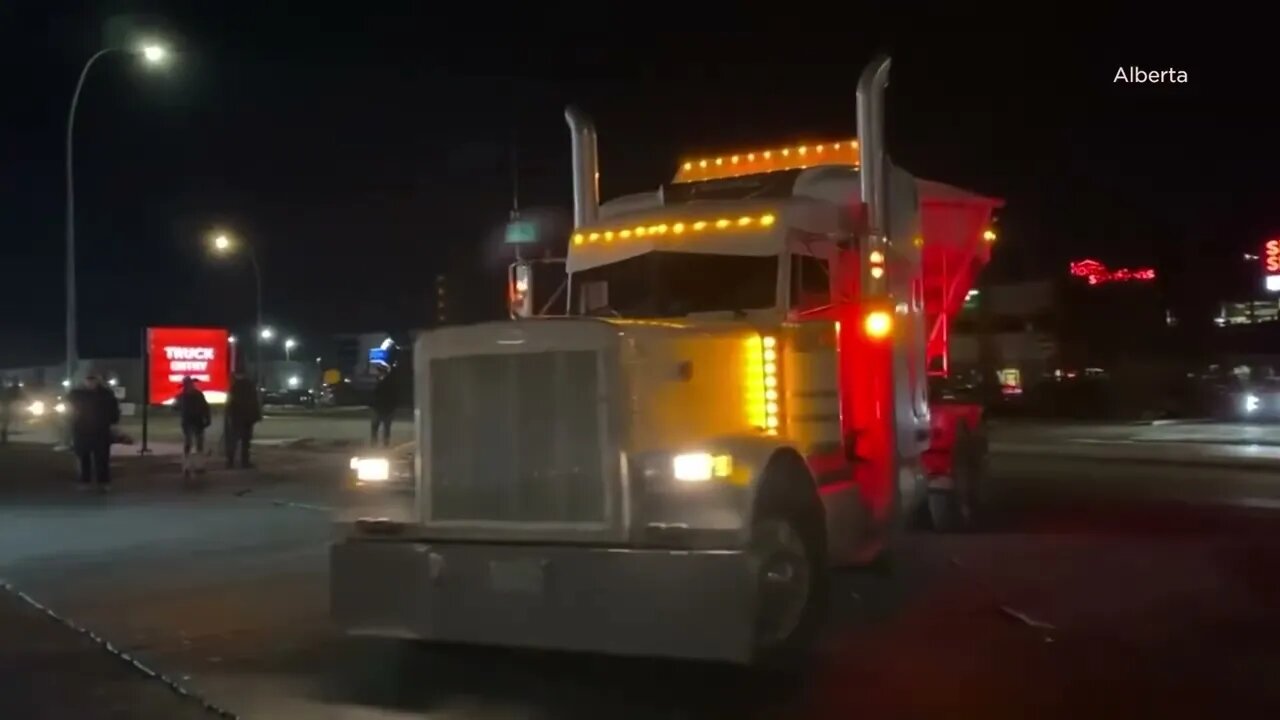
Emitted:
<point x="684" y="604"/>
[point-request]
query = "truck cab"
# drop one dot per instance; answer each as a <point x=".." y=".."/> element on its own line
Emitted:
<point x="734" y="399"/>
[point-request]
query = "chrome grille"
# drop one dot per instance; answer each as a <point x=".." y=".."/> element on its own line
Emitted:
<point x="516" y="438"/>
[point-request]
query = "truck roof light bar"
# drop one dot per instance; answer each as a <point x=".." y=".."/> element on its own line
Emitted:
<point x="755" y="162"/>
<point x="681" y="227"/>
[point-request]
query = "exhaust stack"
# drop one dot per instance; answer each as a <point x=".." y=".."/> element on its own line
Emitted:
<point x="586" y="167"/>
<point x="873" y="176"/>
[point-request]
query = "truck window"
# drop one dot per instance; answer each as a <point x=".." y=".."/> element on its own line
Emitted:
<point x="810" y="282"/>
<point x="593" y="296"/>
<point x="667" y="284"/>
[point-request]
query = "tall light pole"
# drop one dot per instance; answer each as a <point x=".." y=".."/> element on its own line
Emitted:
<point x="225" y="244"/>
<point x="289" y="345"/>
<point x="152" y="54"/>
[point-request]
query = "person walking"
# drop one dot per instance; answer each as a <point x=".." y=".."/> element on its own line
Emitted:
<point x="10" y="395"/>
<point x="193" y="409"/>
<point x="94" y="410"/>
<point x="384" y="406"/>
<point x="243" y="412"/>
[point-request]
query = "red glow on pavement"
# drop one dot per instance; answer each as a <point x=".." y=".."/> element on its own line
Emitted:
<point x="1095" y="273"/>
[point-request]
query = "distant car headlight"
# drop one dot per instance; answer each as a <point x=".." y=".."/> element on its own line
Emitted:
<point x="700" y="466"/>
<point x="60" y="408"/>
<point x="1252" y="403"/>
<point x="36" y="408"/>
<point x="371" y="469"/>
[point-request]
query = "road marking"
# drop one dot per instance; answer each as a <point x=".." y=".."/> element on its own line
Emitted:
<point x="119" y="654"/>
<point x="301" y="506"/>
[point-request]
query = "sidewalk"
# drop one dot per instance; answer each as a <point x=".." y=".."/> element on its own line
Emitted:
<point x="50" y="670"/>
<point x="32" y="473"/>
<point x="1182" y="431"/>
<point x="1211" y="432"/>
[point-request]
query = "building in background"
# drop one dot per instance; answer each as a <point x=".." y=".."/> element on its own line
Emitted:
<point x="1091" y="322"/>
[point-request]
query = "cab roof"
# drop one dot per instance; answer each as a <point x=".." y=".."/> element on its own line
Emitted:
<point x="737" y="215"/>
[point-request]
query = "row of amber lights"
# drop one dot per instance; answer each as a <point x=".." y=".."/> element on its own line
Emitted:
<point x="800" y="151"/>
<point x="763" y="161"/>
<point x="761" y="390"/>
<point x="679" y="228"/>
<point x="771" y="406"/>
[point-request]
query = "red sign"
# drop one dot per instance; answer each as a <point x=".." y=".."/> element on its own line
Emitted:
<point x="1096" y="273"/>
<point x="1271" y="257"/>
<point x="202" y="354"/>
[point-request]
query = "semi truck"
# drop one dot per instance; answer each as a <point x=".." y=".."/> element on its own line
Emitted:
<point x="744" y="390"/>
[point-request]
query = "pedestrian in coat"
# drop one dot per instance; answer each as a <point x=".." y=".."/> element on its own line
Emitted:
<point x="243" y="412"/>
<point x="94" y="413"/>
<point x="193" y="409"/>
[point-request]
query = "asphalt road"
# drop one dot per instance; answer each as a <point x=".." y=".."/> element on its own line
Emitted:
<point x="1106" y="585"/>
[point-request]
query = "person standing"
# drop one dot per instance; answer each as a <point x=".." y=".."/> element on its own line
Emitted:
<point x="94" y="410"/>
<point x="243" y="412"/>
<point x="384" y="406"/>
<point x="9" y="398"/>
<point x="193" y="409"/>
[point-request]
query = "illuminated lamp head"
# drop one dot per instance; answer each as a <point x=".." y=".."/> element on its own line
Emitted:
<point x="878" y="324"/>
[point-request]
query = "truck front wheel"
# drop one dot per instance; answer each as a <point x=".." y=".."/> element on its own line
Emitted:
<point x="793" y="586"/>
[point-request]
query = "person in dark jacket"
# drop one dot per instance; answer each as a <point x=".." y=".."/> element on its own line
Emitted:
<point x="243" y="412"/>
<point x="94" y="410"/>
<point x="384" y="406"/>
<point x="193" y="409"/>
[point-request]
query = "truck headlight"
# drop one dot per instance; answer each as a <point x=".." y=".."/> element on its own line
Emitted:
<point x="700" y="466"/>
<point x="369" y="469"/>
<point x="36" y="408"/>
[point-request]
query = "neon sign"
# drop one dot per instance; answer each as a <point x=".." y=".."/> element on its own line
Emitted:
<point x="1271" y="257"/>
<point x="1095" y="273"/>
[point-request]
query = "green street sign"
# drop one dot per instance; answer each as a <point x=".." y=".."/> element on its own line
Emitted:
<point x="521" y="232"/>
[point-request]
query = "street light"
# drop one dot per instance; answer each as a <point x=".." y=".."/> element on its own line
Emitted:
<point x="225" y="244"/>
<point x="153" y="54"/>
<point x="289" y="344"/>
<point x="267" y="334"/>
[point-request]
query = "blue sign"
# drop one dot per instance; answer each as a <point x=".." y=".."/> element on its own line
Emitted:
<point x="379" y="355"/>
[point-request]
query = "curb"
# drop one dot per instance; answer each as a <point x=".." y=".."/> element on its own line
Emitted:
<point x="1200" y="441"/>
<point x="1244" y="465"/>
<point x="121" y="655"/>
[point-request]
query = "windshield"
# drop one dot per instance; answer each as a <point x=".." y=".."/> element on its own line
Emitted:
<point x="675" y="284"/>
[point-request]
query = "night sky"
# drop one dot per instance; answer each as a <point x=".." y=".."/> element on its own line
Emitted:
<point x="361" y="154"/>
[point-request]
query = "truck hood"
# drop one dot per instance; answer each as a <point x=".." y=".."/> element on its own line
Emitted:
<point x="518" y="336"/>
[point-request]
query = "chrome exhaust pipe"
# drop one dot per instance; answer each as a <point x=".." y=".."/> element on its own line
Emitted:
<point x="873" y="173"/>
<point x="871" y="151"/>
<point x="586" y="167"/>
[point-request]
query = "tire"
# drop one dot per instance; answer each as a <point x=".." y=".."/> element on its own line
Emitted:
<point x="959" y="509"/>
<point x="794" y="586"/>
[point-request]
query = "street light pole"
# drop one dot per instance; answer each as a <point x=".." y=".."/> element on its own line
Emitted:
<point x="72" y="350"/>
<point x="257" y="331"/>
<point x="153" y="54"/>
